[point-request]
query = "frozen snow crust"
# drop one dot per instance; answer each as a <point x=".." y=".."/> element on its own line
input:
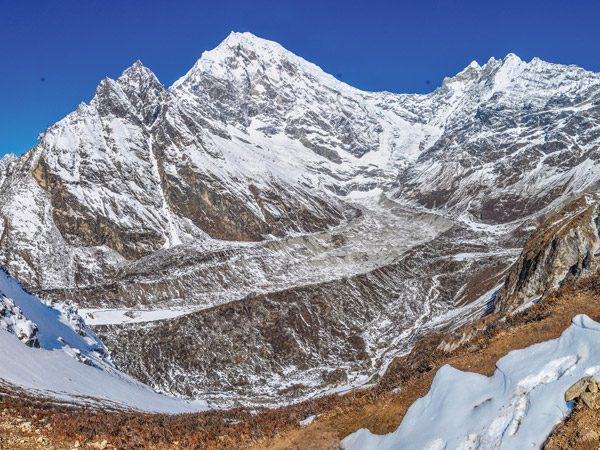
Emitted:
<point x="516" y="408"/>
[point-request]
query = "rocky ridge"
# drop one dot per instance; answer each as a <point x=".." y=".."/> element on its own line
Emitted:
<point x="564" y="248"/>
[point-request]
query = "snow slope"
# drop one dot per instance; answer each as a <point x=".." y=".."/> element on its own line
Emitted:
<point x="71" y="363"/>
<point x="516" y="408"/>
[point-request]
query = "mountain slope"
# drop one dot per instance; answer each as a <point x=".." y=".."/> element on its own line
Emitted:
<point x="564" y="248"/>
<point x="515" y="408"/>
<point x="59" y="357"/>
<point x="257" y="177"/>
<point x="243" y="147"/>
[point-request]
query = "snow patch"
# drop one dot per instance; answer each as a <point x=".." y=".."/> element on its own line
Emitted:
<point x="515" y="408"/>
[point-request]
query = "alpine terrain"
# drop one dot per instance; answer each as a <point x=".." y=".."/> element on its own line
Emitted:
<point x="261" y="234"/>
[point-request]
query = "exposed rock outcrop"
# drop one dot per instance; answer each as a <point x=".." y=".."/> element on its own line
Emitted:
<point x="75" y="220"/>
<point x="565" y="247"/>
<point x="13" y="321"/>
<point x="586" y="391"/>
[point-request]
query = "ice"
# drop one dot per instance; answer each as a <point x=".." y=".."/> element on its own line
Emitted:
<point x="120" y="316"/>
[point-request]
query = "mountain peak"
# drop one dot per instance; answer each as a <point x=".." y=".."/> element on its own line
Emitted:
<point x="249" y="44"/>
<point x="138" y="76"/>
<point x="472" y="71"/>
<point x="246" y="38"/>
<point x="143" y="89"/>
<point x="241" y="53"/>
<point x="136" y="88"/>
<point x="512" y="57"/>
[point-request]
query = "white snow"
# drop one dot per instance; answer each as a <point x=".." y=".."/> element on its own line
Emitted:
<point x="516" y="408"/>
<point x="13" y="321"/>
<point x="120" y="316"/>
<point x="56" y="374"/>
<point x="308" y="420"/>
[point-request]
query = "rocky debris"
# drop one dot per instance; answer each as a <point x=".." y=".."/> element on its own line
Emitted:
<point x="580" y="387"/>
<point x="17" y="433"/>
<point x="289" y="337"/>
<point x="586" y="391"/>
<point x="335" y="376"/>
<point x="565" y="247"/>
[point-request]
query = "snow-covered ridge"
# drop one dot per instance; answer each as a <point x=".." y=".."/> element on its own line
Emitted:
<point x="55" y="326"/>
<point x="214" y="62"/>
<point x="516" y="408"/>
<point x="246" y="176"/>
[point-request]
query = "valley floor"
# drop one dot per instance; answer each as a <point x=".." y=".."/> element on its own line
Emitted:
<point x="380" y="408"/>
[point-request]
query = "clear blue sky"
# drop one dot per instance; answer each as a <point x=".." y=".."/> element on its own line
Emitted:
<point x="55" y="52"/>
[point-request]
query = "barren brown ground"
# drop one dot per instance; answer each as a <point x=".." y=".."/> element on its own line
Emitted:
<point x="579" y="431"/>
<point x="17" y="433"/>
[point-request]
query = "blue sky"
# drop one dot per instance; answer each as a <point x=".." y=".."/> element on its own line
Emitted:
<point x="54" y="53"/>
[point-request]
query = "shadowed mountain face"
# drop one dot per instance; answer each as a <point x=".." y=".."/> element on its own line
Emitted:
<point x="259" y="179"/>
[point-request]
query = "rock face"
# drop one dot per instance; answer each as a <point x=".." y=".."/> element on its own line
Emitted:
<point x="13" y="321"/>
<point x="586" y="391"/>
<point x="258" y="179"/>
<point x="565" y="247"/>
<point x="584" y="384"/>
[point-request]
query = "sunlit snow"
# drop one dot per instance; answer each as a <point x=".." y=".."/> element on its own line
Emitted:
<point x="516" y="408"/>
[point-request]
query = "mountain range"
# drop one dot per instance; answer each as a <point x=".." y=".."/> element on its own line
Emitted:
<point x="288" y="234"/>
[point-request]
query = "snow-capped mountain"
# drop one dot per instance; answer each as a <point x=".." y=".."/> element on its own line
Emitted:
<point x="255" y="142"/>
<point x="261" y="180"/>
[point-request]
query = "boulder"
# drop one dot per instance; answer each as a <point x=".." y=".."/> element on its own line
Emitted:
<point x="586" y="390"/>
